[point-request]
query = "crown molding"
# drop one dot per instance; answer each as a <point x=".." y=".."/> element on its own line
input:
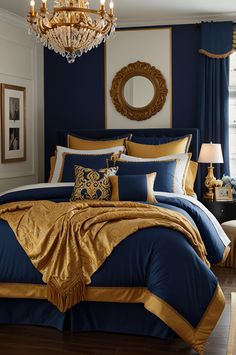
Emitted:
<point x="132" y="22"/>
<point x="12" y="18"/>
<point x="20" y="21"/>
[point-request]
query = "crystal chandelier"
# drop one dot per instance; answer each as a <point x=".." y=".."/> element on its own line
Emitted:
<point x="73" y="28"/>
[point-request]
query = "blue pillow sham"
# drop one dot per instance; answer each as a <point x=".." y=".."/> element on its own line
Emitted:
<point x="155" y="140"/>
<point x="165" y="179"/>
<point x="96" y="162"/>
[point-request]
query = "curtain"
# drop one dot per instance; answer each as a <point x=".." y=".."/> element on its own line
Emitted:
<point x="216" y="46"/>
<point x="234" y="37"/>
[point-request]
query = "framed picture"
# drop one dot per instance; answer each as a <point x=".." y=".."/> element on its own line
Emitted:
<point x="13" y="123"/>
<point x="139" y="94"/>
<point x="223" y="193"/>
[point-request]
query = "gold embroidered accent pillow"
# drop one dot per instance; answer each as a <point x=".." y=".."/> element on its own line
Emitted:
<point x="92" y="184"/>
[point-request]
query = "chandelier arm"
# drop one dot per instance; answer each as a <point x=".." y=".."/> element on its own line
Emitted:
<point x="76" y="9"/>
<point x="44" y="28"/>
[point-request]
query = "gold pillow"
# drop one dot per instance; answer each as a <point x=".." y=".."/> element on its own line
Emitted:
<point x="190" y="178"/>
<point x="52" y="167"/>
<point x="91" y="184"/>
<point x="156" y="151"/>
<point x="85" y="144"/>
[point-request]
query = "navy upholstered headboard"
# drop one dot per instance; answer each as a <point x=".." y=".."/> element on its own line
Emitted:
<point x="158" y="132"/>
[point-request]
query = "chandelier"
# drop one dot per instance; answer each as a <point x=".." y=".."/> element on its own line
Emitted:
<point x="72" y="28"/>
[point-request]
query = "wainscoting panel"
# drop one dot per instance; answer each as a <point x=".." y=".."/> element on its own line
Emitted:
<point x="21" y="64"/>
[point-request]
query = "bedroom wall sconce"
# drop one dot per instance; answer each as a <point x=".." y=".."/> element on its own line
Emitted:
<point x="211" y="153"/>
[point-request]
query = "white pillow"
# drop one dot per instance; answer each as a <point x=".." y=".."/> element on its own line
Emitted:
<point x="181" y="167"/>
<point x="61" y="150"/>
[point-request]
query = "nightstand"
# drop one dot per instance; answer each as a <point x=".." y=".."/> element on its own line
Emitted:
<point x="222" y="210"/>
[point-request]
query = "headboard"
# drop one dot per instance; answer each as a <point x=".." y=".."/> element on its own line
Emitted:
<point x="158" y="132"/>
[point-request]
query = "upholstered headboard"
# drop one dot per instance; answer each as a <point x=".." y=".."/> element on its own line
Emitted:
<point x="158" y="132"/>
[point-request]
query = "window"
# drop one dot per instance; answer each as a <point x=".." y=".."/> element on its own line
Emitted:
<point x="232" y="115"/>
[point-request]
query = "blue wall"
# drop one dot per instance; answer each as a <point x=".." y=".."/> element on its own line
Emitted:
<point x="185" y="45"/>
<point x="74" y="94"/>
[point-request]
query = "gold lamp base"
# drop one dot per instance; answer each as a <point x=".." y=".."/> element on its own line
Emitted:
<point x="211" y="182"/>
<point x="209" y="195"/>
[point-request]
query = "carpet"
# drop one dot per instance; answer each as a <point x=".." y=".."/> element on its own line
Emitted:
<point x="231" y="348"/>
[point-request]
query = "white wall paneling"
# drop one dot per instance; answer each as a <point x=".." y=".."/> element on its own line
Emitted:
<point x="153" y="46"/>
<point x="21" y="64"/>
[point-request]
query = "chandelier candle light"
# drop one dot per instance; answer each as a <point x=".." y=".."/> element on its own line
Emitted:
<point x="73" y="28"/>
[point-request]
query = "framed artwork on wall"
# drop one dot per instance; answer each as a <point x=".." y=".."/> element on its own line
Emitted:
<point x="13" y="137"/>
<point x="138" y="82"/>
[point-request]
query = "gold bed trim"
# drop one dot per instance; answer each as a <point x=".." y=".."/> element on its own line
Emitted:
<point x="69" y="241"/>
<point x="196" y="337"/>
<point x="225" y="256"/>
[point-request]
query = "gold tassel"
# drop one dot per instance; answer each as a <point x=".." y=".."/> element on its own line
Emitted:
<point x="199" y="349"/>
<point x="67" y="299"/>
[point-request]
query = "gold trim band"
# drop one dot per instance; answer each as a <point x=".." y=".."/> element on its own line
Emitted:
<point x="225" y="255"/>
<point x="196" y="337"/>
<point x="216" y="56"/>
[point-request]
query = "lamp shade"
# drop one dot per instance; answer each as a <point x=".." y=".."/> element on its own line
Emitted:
<point x="210" y="153"/>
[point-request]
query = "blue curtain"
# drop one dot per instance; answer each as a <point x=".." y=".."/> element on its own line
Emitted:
<point x="214" y="115"/>
<point x="216" y="46"/>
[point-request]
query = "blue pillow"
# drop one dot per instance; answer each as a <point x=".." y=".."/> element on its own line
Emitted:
<point x="133" y="188"/>
<point x="155" y="140"/>
<point x="165" y="172"/>
<point x="96" y="162"/>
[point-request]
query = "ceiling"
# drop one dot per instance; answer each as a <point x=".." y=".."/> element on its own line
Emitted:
<point x="151" y="12"/>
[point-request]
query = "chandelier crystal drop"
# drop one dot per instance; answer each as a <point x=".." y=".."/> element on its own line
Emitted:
<point x="72" y="28"/>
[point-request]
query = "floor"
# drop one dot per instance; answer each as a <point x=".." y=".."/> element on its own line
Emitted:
<point x="22" y="340"/>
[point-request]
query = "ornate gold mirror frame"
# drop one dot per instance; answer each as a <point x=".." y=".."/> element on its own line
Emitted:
<point x="117" y="91"/>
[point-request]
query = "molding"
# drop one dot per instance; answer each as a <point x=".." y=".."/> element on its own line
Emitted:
<point x="15" y="175"/>
<point x="12" y="18"/>
<point x="30" y="44"/>
<point x="39" y="111"/>
<point x="109" y="76"/>
<point x="20" y="21"/>
<point x="36" y="57"/>
<point x="132" y="22"/>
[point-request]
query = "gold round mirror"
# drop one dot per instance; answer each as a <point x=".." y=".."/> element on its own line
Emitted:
<point x="139" y="91"/>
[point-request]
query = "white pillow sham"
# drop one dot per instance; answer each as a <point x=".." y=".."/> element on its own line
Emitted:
<point x="61" y="150"/>
<point x="181" y="167"/>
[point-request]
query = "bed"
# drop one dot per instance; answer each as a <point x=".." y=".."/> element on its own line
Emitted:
<point x="155" y="281"/>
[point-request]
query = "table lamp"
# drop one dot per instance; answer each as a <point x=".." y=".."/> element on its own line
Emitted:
<point x="211" y="153"/>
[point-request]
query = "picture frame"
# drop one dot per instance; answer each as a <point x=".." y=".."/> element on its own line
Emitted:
<point x="156" y="51"/>
<point x="13" y="134"/>
<point x="223" y="193"/>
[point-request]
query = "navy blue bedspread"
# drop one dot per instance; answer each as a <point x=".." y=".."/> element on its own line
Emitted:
<point x="157" y="258"/>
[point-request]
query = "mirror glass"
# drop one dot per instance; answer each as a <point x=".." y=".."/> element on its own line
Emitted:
<point x="138" y="91"/>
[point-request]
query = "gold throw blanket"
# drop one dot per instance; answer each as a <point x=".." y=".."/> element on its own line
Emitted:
<point x="67" y="242"/>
